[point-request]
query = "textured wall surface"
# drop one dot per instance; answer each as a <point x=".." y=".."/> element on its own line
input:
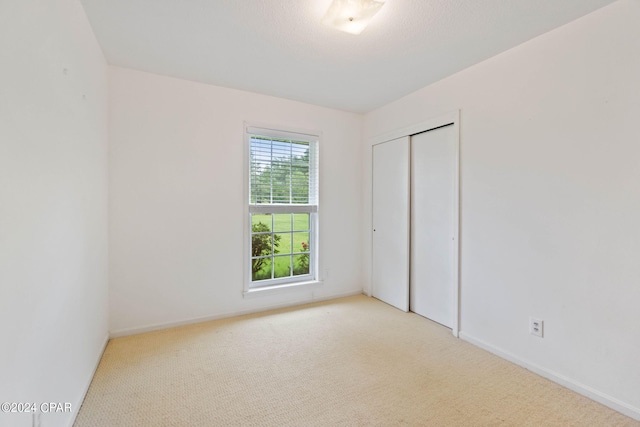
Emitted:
<point x="177" y="207"/>
<point x="53" y="206"/>
<point x="549" y="199"/>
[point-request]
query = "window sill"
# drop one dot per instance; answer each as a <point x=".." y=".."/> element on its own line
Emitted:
<point x="278" y="289"/>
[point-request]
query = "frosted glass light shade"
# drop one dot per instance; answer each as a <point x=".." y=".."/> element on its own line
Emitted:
<point x="351" y="16"/>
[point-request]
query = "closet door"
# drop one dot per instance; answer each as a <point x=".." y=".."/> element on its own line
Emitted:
<point x="434" y="222"/>
<point x="390" y="269"/>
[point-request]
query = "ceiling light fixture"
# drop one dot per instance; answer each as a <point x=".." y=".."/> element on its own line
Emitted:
<point x="351" y="16"/>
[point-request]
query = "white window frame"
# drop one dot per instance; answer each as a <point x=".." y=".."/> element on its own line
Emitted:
<point x="292" y="282"/>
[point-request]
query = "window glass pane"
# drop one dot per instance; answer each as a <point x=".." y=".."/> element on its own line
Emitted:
<point x="280" y="171"/>
<point x="282" y="266"/>
<point x="260" y="222"/>
<point x="300" y="172"/>
<point x="282" y="242"/>
<point x="260" y="170"/>
<point x="261" y="269"/>
<point x="281" y="222"/>
<point x="301" y="242"/>
<point x="261" y="245"/>
<point x="300" y="264"/>
<point x="301" y="222"/>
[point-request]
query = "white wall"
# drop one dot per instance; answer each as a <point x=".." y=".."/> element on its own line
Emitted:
<point x="177" y="205"/>
<point x="53" y="205"/>
<point x="550" y="200"/>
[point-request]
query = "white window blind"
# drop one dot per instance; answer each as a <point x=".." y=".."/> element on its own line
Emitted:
<point x="282" y="171"/>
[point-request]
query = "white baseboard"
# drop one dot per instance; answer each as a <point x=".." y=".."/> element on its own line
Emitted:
<point x="88" y="383"/>
<point x="224" y="315"/>
<point x="591" y="393"/>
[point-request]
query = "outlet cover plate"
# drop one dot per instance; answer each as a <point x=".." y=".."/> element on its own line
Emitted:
<point x="536" y="327"/>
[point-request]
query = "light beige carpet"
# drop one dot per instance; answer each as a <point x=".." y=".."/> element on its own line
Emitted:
<point x="351" y="362"/>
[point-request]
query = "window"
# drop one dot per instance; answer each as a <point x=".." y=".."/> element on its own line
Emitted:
<point x="283" y="207"/>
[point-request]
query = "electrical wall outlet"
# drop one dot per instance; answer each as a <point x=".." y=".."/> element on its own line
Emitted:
<point x="536" y="327"/>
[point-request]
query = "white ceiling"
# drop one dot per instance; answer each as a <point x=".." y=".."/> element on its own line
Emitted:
<point x="280" y="48"/>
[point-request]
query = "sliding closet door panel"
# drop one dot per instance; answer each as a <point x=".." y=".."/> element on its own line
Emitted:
<point x="390" y="270"/>
<point x="433" y="223"/>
